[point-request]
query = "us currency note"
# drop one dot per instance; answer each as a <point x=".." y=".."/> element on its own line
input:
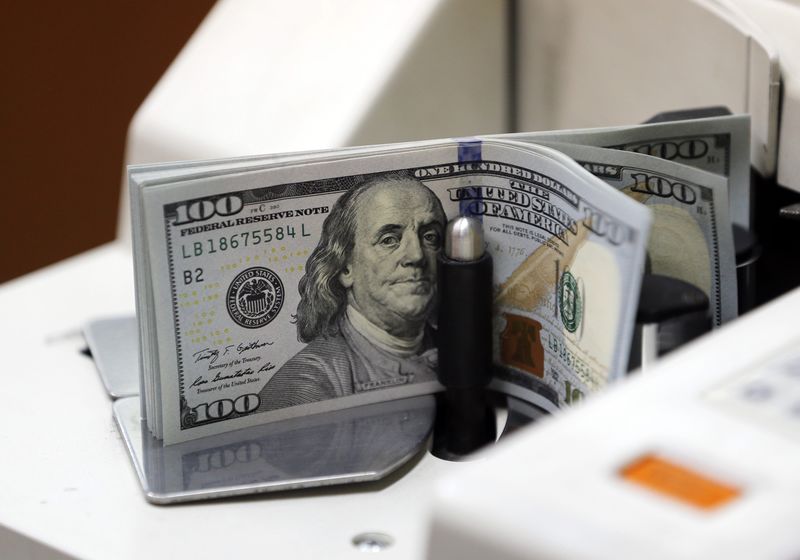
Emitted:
<point x="718" y="145"/>
<point x="691" y="238"/>
<point x="263" y="305"/>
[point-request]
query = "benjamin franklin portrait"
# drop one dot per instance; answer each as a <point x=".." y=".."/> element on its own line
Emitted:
<point x="366" y="296"/>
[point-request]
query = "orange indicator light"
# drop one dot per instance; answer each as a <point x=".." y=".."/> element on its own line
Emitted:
<point x="681" y="483"/>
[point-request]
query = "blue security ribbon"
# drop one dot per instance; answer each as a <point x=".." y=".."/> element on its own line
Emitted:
<point x="468" y="150"/>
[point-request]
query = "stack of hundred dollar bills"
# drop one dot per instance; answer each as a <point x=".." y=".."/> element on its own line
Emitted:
<point x="283" y="285"/>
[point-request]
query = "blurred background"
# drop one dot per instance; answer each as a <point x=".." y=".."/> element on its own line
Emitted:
<point x="74" y="73"/>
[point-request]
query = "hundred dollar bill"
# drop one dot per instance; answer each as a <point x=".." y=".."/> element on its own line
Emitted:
<point x="286" y="286"/>
<point x="718" y="145"/>
<point x="691" y="238"/>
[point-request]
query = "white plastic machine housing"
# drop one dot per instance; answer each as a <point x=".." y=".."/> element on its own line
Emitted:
<point x="779" y="22"/>
<point x="271" y="77"/>
<point x="260" y="77"/>
<point x="726" y="408"/>
<point x="615" y="62"/>
<point x="584" y="63"/>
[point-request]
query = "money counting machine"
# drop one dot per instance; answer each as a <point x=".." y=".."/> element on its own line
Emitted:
<point x="697" y="457"/>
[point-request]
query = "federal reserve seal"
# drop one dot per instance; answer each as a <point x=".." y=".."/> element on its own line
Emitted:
<point x="569" y="301"/>
<point x="255" y="297"/>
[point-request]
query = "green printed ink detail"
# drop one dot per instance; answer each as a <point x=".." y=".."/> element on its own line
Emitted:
<point x="569" y="301"/>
